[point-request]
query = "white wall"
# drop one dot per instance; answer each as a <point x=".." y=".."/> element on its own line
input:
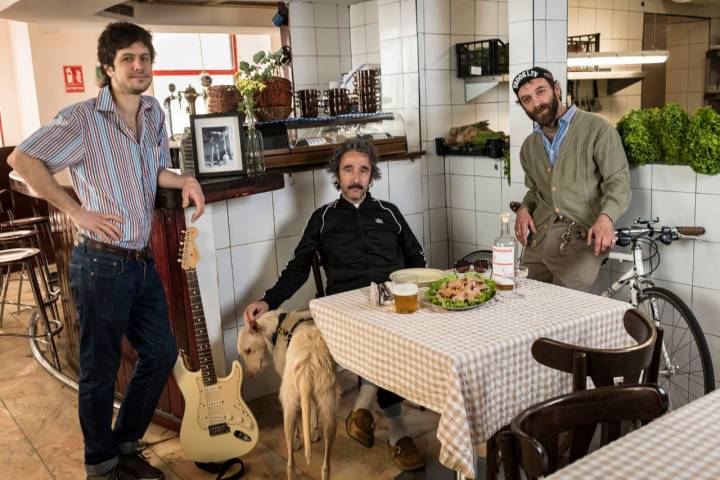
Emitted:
<point x="320" y="39"/>
<point x="8" y="92"/>
<point x="79" y="47"/>
<point x="28" y="116"/>
<point x="685" y="69"/>
<point x="365" y="32"/>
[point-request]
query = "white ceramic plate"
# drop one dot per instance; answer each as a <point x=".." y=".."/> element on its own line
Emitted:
<point x="423" y="276"/>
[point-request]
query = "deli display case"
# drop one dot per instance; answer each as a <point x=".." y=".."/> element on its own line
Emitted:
<point x="308" y="142"/>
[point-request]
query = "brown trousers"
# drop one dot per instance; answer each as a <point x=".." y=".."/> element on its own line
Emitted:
<point x="575" y="267"/>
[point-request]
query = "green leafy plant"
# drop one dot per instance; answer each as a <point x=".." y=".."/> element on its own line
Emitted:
<point x="250" y="78"/>
<point x="264" y="66"/>
<point x="639" y="133"/>
<point x="704" y="141"/>
<point x="672" y="131"/>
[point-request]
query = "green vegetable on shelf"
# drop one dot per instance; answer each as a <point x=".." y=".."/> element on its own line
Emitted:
<point x="672" y="130"/>
<point x="703" y="137"/>
<point x="638" y="131"/>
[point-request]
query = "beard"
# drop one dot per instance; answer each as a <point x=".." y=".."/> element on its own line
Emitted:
<point x="544" y="115"/>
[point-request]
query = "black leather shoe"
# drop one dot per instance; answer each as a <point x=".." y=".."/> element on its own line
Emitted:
<point x="138" y="465"/>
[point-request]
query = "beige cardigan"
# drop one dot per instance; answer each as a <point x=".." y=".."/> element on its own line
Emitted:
<point x="590" y="176"/>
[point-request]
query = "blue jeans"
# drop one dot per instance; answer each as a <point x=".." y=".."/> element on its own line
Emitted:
<point x="117" y="296"/>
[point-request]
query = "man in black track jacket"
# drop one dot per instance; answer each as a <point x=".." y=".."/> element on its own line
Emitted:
<point x="361" y="240"/>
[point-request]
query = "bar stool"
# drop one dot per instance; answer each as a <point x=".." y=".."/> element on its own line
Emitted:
<point x="27" y="259"/>
<point x="27" y="239"/>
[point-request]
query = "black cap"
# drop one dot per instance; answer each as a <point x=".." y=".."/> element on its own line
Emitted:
<point x="531" y="74"/>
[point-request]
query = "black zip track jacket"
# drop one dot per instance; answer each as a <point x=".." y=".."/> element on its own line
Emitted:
<point x="358" y="245"/>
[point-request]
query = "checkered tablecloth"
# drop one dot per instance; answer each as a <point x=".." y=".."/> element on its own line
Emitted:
<point x="682" y="444"/>
<point x="473" y="367"/>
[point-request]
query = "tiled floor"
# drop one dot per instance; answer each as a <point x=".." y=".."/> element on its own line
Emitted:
<point x="41" y="436"/>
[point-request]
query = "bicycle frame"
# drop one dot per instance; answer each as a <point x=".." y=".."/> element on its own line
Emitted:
<point x="635" y="277"/>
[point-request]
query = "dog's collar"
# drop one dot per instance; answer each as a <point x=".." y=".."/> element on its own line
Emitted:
<point x="280" y="330"/>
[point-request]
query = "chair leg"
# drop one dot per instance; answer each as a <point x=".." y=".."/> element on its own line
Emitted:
<point x="40" y="305"/>
<point x="4" y="280"/>
<point x="7" y="275"/>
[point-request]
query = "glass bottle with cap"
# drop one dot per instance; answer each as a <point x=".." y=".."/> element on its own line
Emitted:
<point x="503" y="250"/>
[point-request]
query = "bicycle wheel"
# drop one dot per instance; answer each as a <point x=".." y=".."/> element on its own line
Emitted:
<point x="686" y="369"/>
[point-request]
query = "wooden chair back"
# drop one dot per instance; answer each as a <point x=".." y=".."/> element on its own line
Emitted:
<point x="531" y="444"/>
<point x="604" y="365"/>
<point x="317" y="263"/>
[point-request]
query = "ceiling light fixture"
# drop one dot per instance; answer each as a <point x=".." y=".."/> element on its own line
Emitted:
<point x="605" y="59"/>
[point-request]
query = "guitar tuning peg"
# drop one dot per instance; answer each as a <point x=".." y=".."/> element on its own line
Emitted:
<point x="182" y="243"/>
<point x="179" y="260"/>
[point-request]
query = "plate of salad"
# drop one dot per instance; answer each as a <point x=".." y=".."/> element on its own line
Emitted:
<point x="464" y="292"/>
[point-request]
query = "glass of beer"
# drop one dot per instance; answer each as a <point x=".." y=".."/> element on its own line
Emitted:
<point x="405" y="293"/>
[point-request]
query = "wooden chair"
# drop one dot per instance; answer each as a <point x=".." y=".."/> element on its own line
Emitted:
<point x="530" y="445"/>
<point x="636" y="363"/>
<point x="317" y="275"/>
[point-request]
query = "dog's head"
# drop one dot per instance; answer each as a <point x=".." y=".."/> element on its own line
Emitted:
<point x="252" y="341"/>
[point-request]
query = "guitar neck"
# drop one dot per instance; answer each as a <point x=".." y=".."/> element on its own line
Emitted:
<point x="201" y="336"/>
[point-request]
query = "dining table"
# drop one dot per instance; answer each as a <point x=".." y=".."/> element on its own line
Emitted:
<point x="684" y="443"/>
<point x="473" y="367"/>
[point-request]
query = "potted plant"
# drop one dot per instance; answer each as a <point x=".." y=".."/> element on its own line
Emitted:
<point x="274" y="101"/>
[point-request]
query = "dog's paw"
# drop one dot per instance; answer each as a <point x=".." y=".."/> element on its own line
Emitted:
<point x="315" y="435"/>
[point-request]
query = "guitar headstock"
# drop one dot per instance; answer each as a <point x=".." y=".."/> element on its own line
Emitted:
<point x="189" y="256"/>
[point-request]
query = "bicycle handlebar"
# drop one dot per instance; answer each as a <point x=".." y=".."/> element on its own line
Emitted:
<point x="664" y="234"/>
<point x="691" y="231"/>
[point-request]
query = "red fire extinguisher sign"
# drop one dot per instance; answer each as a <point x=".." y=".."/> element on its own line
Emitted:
<point x="74" y="80"/>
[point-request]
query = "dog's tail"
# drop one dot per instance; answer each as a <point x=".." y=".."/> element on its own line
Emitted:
<point x="305" y="394"/>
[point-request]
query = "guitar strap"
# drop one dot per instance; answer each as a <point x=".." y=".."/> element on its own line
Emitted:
<point x="221" y="468"/>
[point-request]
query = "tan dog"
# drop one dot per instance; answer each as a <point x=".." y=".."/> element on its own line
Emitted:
<point x="309" y="386"/>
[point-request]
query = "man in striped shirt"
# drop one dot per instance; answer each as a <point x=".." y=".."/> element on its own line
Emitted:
<point x="116" y="148"/>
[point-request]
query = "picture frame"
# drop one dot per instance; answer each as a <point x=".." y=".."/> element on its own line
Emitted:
<point x="219" y="144"/>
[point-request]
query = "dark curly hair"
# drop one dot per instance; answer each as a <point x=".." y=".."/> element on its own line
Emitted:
<point x="354" y="145"/>
<point x="116" y="36"/>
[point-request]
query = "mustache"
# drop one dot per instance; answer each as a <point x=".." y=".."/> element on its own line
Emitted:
<point x="356" y="185"/>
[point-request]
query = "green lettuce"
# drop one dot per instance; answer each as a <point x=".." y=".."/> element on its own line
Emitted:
<point x="673" y="129"/>
<point x="704" y="141"/>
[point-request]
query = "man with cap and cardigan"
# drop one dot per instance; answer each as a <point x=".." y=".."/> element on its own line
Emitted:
<point x="578" y="184"/>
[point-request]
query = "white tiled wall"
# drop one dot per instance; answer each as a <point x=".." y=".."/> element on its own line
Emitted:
<point x="320" y="39"/>
<point x="685" y="69"/>
<point x="679" y="196"/>
<point x="365" y="33"/>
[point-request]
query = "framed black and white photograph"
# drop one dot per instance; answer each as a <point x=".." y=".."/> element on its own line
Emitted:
<point x="218" y="144"/>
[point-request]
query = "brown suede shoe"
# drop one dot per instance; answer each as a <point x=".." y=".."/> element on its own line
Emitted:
<point x="406" y="455"/>
<point x="360" y="426"/>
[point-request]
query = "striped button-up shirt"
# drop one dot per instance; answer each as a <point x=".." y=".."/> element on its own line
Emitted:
<point x="552" y="148"/>
<point x="112" y="171"/>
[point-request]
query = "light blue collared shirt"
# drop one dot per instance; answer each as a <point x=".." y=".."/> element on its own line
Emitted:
<point x="552" y="148"/>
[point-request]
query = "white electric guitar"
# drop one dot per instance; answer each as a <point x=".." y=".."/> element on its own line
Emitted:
<point x="217" y="424"/>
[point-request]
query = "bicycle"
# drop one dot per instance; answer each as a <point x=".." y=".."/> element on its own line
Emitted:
<point x="686" y="369"/>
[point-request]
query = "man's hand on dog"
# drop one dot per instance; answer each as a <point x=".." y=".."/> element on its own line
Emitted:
<point x="254" y="310"/>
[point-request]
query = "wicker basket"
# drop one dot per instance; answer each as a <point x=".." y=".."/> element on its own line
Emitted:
<point x="275" y="101"/>
<point x="267" y="114"/>
<point x="223" y="98"/>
